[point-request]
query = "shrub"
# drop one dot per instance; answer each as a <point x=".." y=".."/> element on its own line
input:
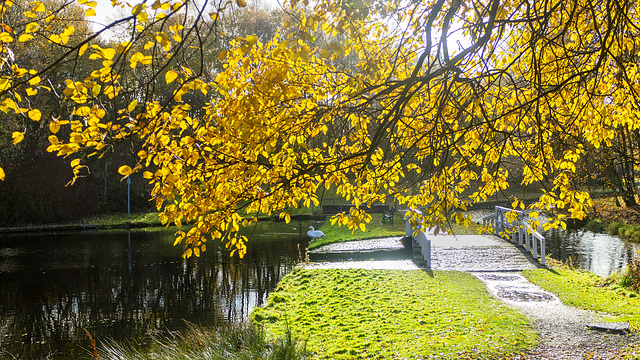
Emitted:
<point x="594" y="225"/>
<point x="614" y="227"/>
<point x="626" y="231"/>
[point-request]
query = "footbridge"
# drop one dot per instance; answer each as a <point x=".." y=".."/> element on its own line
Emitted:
<point x="511" y="245"/>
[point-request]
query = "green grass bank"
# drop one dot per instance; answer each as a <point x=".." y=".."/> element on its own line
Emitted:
<point x="586" y="290"/>
<point x="387" y="314"/>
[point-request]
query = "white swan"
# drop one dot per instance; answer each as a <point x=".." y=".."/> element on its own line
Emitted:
<point x="314" y="234"/>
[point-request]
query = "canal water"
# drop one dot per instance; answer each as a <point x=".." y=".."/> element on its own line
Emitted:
<point x="602" y="254"/>
<point x="128" y="286"/>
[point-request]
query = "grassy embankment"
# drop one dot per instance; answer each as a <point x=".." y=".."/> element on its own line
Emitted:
<point x="583" y="289"/>
<point x="385" y="314"/>
<point x="148" y="219"/>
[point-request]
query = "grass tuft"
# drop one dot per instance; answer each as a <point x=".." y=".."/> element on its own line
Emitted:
<point x="236" y="342"/>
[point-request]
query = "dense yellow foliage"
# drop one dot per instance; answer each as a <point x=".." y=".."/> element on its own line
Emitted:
<point x="417" y="101"/>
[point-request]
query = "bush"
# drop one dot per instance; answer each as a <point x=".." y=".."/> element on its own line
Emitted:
<point x="626" y="231"/>
<point x="594" y="225"/>
<point x="614" y="227"/>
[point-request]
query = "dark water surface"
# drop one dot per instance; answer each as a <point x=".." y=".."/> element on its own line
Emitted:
<point x="127" y="286"/>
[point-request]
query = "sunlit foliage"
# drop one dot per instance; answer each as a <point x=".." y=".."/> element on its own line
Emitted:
<point x="415" y="102"/>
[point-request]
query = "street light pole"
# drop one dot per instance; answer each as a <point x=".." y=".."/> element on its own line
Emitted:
<point x="128" y="196"/>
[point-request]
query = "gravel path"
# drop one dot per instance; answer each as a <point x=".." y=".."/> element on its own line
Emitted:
<point x="562" y="329"/>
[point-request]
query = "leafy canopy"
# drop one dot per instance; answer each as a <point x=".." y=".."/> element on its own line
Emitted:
<point x="422" y="102"/>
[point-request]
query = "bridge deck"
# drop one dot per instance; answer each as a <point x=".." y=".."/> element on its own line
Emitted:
<point x="478" y="253"/>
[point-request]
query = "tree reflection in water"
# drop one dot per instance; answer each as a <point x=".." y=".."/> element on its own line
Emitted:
<point x="124" y="285"/>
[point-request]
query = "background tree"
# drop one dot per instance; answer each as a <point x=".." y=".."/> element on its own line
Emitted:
<point x="534" y="80"/>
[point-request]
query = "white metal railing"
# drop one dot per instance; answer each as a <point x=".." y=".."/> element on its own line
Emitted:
<point x="420" y="239"/>
<point x="516" y="231"/>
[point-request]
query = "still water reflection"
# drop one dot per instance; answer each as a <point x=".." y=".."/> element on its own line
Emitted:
<point x="601" y="254"/>
<point x="127" y="285"/>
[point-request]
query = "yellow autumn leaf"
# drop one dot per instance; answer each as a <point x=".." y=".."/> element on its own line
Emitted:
<point x="2" y="174"/>
<point x="143" y="17"/>
<point x="34" y="114"/>
<point x="5" y="37"/>
<point x="54" y="127"/>
<point x="132" y="105"/>
<point x="170" y="76"/>
<point x="17" y="137"/>
<point x="82" y="111"/>
<point x="125" y="170"/>
<point x="25" y="37"/>
<point x="31" y="28"/>
<point x="108" y="53"/>
<point x="90" y="12"/>
<point x="39" y="7"/>
<point x="241" y="3"/>
<point x="83" y="49"/>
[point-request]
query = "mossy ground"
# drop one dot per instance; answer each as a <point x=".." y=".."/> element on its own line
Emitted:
<point x="387" y="314"/>
<point x="586" y="290"/>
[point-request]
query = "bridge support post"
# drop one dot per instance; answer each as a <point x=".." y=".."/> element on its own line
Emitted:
<point x="408" y="232"/>
<point x="425" y="244"/>
<point x="420" y="240"/>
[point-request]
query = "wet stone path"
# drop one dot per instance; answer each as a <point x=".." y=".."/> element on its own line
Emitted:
<point x="498" y="264"/>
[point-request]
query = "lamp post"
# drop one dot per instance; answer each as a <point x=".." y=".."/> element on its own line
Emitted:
<point x="128" y="196"/>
